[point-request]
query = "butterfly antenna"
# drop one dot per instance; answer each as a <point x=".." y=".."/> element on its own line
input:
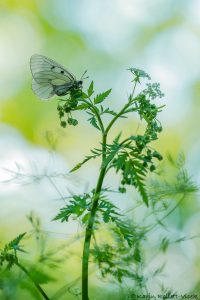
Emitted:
<point x="82" y="77"/>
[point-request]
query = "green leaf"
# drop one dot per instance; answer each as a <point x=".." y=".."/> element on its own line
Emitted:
<point x="85" y="218"/>
<point x="164" y="244"/>
<point x="93" y="121"/>
<point x="91" y="89"/>
<point x="82" y="106"/>
<point x="79" y="165"/>
<point x="108" y="111"/>
<point x="14" y="244"/>
<point x="101" y="97"/>
<point x="125" y="231"/>
<point x="159" y="270"/>
<point x="84" y="95"/>
<point x="108" y="210"/>
<point x="76" y="207"/>
<point x="142" y="189"/>
<point x="137" y="254"/>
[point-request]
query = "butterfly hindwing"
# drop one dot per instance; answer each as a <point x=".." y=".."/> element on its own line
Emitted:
<point x="43" y="91"/>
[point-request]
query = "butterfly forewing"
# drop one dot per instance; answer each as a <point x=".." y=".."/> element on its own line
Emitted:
<point x="42" y="63"/>
<point x="49" y="77"/>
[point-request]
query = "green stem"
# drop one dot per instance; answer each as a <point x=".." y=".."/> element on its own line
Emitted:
<point x="116" y="117"/>
<point x="33" y="280"/>
<point x="90" y="225"/>
<point x="130" y="102"/>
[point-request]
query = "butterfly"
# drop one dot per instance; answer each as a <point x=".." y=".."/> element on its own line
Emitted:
<point x="50" y="78"/>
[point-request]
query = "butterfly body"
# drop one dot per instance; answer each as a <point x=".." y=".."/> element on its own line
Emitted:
<point x="50" y="78"/>
<point x="62" y="90"/>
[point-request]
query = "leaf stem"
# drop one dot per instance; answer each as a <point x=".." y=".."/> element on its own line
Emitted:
<point x="41" y="291"/>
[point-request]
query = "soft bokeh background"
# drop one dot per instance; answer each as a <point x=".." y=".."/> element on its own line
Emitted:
<point x="104" y="37"/>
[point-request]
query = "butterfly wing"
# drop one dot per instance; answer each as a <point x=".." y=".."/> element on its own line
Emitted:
<point x="42" y="91"/>
<point x="49" y="77"/>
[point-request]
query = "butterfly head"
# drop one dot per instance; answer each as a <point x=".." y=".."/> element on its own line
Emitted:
<point x="78" y="84"/>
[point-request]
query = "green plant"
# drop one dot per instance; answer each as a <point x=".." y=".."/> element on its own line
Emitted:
<point x="132" y="157"/>
<point x="9" y="256"/>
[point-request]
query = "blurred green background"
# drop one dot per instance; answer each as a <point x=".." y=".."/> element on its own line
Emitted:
<point x="105" y="38"/>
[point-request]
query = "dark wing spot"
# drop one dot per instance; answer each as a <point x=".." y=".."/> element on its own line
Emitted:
<point x="52" y="67"/>
<point x="62" y="72"/>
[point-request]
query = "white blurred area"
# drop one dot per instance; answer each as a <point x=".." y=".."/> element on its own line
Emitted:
<point x="32" y="179"/>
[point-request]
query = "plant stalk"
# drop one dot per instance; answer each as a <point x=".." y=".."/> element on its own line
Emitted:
<point x="90" y="225"/>
<point x="40" y="290"/>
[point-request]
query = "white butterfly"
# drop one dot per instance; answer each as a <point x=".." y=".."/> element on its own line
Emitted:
<point x="50" y="78"/>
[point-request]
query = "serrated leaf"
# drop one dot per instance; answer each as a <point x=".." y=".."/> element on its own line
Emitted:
<point x="91" y="89"/>
<point x="76" y="207"/>
<point x="14" y="244"/>
<point x="126" y="232"/>
<point x="142" y="190"/>
<point x="82" y="106"/>
<point x="93" y="121"/>
<point x="101" y="97"/>
<point x="109" y="111"/>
